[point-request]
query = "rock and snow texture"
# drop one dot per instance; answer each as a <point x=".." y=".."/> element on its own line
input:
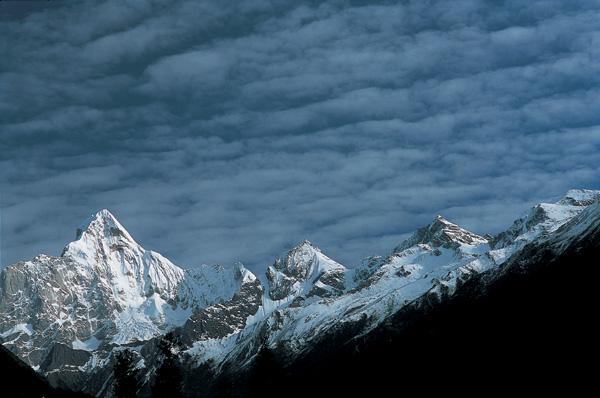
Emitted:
<point x="434" y="261"/>
<point x="441" y="233"/>
<point x="541" y="221"/>
<point x="305" y="271"/>
<point x="105" y="290"/>
<point x="137" y="285"/>
<point x="227" y="317"/>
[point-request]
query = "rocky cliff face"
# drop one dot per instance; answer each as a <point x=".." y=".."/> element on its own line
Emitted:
<point x="66" y="315"/>
<point x="305" y="272"/>
<point x="441" y="233"/>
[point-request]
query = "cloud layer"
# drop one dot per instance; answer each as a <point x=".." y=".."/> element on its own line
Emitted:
<point x="224" y="131"/>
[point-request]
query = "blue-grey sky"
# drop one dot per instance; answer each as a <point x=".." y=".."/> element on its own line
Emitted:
<point x="219" y="131"/>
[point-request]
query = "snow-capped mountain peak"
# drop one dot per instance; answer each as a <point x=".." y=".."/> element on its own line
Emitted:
<point x="580" y="197"/>
<point x="441" y="232"/>
<point x="304" y="260"/>
<point x="104" y="290"/>
<point x="305" y="270"/>
<point x="132" y="272"/>
<point x="99" y="236"/>
<point x="65" y="315"/>
<point x="103" y="224"/>
<point x="545" y="218"/>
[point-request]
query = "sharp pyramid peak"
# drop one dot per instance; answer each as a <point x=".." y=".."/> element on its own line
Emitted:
<point x="101" y="226"/>
<point x="441" y="232"/>
<point x="439" y="219"/>
<point x="306" y="250"/>
<point x="303" y="249"/>
<point x="305" y="245"/>
<point x="99" y="220"/>
<point x="103" y="216"/>
<point x="302" y="256"/>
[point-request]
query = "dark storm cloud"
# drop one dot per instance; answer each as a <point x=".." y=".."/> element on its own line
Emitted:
<point x="219" y="131"/>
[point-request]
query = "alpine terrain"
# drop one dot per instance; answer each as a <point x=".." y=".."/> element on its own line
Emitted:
<point x="446" y="305"/>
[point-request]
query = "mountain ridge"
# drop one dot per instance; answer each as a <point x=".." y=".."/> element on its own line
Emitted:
<point x="123" y="295"/>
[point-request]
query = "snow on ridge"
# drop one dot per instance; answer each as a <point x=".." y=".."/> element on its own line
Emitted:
<point x="100" y="222"/>
<point x="304" y="294"/>
<point x="441" y="232"/>
<point x="580" y="197"/>
<point x="543" y="219"/>
<point x="106" y="288"/>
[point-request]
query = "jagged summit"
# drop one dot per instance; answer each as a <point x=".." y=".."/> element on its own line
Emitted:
<point x="544" y="218"/>
<point x="580" y="197"/>
<point x="303" y="248"/>
<point x="66" y="315"/>
<point x="301" y="257"/>
<point x="102" y="238"/>
<point x="105" y="289"/>
<point x="304" y="245"/>
<point x="102" y="223"/>
<point x="305" y="270"/>
<point x="441" y="232"/>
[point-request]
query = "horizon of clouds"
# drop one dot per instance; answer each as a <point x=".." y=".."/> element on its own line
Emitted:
<point x="222" y="132"/>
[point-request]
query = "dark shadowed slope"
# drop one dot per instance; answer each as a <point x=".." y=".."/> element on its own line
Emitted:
<point x="19" y="380"/>
<point x="530" y="329"/>
<point x="446" y="308"/>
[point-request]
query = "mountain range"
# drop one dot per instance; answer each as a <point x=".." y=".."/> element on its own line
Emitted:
<point x="67" y="316"/>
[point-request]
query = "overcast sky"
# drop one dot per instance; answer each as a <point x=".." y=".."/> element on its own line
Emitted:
<point x="219" y="131"/>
